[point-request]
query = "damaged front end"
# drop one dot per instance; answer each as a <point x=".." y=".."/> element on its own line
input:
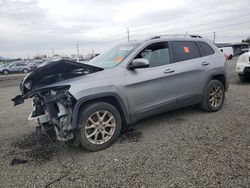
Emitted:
<point x="53" y="105"/>
<point x="52" y="108"/>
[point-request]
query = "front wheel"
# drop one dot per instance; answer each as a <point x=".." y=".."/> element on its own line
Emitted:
<point x="214" y="96"/>
<point x="25" y="70"/>
<point x="100" y="126"/>
<point x="5" y="72"/>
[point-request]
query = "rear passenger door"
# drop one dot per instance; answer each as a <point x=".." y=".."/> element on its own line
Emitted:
<point x="190" y="69"/>
<point x="14" y="68"/>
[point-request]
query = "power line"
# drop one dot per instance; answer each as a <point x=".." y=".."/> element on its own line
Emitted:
<point x="163" y="25"/>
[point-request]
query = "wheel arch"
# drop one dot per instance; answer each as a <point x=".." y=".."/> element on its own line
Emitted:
<point x="221" y="78"/>
<point x="5" y="70"/>
<point x="218" y="74"/>
<point x="111" y="98"/>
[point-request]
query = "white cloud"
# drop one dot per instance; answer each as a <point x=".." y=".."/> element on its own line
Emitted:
<point x="32" y="26"/>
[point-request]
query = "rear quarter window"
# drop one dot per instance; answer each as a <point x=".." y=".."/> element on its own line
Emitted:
<point x="184" y="50"/>
<point x="205" y="49"/>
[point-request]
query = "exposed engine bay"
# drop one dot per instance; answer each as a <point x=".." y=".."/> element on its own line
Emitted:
<point x="53" y="106"/>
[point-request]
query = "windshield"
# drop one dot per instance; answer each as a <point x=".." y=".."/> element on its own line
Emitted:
<point x="114" y="56"/>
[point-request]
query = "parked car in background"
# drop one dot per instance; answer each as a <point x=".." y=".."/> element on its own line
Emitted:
<point x="34" y="64"/>
<point x="243" y="66"/>
<point x="15" y="67"/>
<point x="244" y="50"/>
<point x="228" y="51"/>
<point x="92" y="102"/>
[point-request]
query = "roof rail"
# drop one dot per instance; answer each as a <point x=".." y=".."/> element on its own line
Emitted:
<point x="174" y="35"/>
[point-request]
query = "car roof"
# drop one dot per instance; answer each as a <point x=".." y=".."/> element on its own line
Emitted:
<point x="175" y="38"/>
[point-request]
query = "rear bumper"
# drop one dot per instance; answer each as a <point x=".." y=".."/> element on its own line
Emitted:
<point x="242" y="68"/>
<point x="245" y="72"/>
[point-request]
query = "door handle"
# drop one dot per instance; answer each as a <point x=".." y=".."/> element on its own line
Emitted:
<point x="204" y="63"/>
<point x="168" y="71"/>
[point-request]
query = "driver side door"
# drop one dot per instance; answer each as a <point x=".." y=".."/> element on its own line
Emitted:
<point x="153" y="89"/>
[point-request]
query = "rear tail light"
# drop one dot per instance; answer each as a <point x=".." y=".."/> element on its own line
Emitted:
<point x="226" y="57"/>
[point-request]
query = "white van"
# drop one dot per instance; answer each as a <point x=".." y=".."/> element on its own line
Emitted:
<point x="228" y="51"/>
<point x="243" y="66"/>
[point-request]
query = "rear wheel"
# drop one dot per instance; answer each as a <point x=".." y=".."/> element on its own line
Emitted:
<point x="5" y="72"/>
<point x="214" y="96"/>
<point x="100" y="126"/>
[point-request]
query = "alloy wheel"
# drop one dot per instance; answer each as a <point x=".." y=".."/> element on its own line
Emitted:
<point x="100" y="127"/>
<point x="216" y="96"/>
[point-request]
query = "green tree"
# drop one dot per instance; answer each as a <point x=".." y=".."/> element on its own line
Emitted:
<point x="247" y="40"/>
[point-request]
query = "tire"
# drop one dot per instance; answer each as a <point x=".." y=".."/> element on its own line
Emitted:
<point x="5" y="72"/>
<point x="25" y="70"/>
<point x="242" y="78"/>
<point x="100" y="140"/>
<point x="214" y="96"/>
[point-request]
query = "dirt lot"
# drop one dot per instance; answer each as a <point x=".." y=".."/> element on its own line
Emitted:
<point x="183" y="148"/>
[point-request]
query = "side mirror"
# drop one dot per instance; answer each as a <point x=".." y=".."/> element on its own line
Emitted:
<point x="138" y="63"/>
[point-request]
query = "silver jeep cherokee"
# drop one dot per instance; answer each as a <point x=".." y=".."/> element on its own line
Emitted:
<point x="92" y="102"/>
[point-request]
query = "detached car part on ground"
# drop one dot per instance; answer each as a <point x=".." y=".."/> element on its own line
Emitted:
<point x="92" y="102"/>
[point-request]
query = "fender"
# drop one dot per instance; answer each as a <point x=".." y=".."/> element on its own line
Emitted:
<point x="85" y="99"/>
<point x="215" y="72"/>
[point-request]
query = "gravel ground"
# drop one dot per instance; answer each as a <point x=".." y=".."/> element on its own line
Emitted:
<point x="182" y="148"/>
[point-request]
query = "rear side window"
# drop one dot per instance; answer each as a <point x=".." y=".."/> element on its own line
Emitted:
<point x="205" y="49"/>
<point x="184" y="50"/>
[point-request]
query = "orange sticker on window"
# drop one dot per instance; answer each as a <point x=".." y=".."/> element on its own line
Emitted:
<point x="186" y="50"/>
<point x="118" y="59"/>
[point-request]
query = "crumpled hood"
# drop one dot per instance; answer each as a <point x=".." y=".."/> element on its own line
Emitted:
<point x="50" y="73"/>
<point x="53" y="72"/>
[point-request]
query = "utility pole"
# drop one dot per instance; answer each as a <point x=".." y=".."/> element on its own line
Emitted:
<point x="128" y="33"/>
<point x="53" y="52"/>
<point x="77" y="48"/>
<point x="214" y="37"/>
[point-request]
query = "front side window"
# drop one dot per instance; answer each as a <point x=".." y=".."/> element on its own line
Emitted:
<point x="114" y="56"/>
<point x="157" y="54"/>
<point x="184" y="50"/>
